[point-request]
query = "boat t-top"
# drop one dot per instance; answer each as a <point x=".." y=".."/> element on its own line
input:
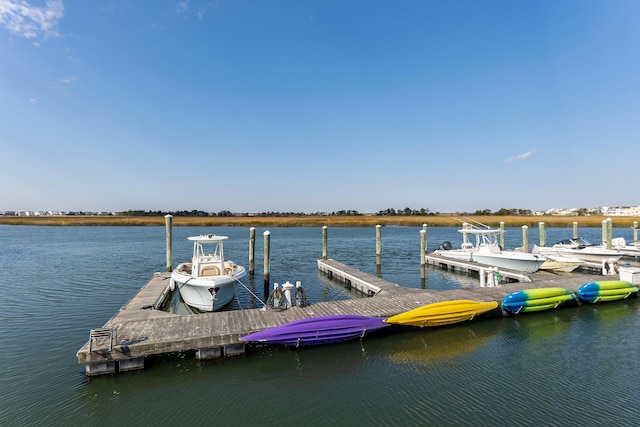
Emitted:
<point x="207" y="283"/>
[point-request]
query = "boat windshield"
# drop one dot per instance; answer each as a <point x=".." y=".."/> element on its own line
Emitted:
<point x="204" y="248"/>
<point x="583" y="242"/>
<point x="484" y="237"/>
<point x="577" y="242"/>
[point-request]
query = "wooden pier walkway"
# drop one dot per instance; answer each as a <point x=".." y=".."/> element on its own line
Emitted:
<point x="139" y="330"/>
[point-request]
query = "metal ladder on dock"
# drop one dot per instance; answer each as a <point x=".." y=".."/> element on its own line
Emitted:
<point x="102" y="335"/>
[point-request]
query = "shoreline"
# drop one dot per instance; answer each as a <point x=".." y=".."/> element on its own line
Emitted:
<point x="319" y="221"/>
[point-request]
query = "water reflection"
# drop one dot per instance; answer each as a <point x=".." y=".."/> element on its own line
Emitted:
<point x="432" y="345"/>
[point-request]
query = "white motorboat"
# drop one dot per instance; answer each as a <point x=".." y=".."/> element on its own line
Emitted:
<point x="487" y="251"/>
<point x="561" y="264"/>
<point x="582" y="249"/>
<point x="208" y="282"/>
<point x="620" y="244"/>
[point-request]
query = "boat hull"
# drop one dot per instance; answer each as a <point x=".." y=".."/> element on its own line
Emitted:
<point x="592" y="255"/>
<point x="443" y="313"/>
<point x="606" y="290"/>
<point x="318" y="330"/>
<point x="210" y="293"/>
<point x="456" y="254"/>
<point x="560" y="264"/>
<point x="515" y="262"/>
<point x="539" y="299"/>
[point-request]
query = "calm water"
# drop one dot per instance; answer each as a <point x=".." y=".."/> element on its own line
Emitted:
<point x="573" y="366"/>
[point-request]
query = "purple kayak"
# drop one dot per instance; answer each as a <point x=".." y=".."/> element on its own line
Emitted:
<point x="319" y="330"/>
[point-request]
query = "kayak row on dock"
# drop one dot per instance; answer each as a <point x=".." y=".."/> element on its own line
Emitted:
<point x="339" y="328"/>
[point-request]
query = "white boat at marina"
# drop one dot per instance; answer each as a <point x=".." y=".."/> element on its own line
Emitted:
<point x="620" y="244"/>
<point x="208" y="282"/>
<point x="561" y="264"/>
<point x="487" y="251"/>
<point x="584" y="250"/>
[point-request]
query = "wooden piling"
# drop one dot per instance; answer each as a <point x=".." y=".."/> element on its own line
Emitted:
<point x="378" y="245"/>
<point x="168" y="222"/>
<point x="525" y="238"/>
<point x="252" y="250"/>
<point x="609" y="240"/>
<point x="423" y="252"/>
<point x="267" y="248"/>
<point x="542" y="238"/>
<point x="575" y="229"/>
<point x="423" y="244"/>
<point x="502" y="233"/>
<point x="324" y="242"/>
<point x="635" y="232"/>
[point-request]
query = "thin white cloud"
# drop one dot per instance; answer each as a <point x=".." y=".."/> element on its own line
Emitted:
<point x="520" y="156"/>
<point x="183" y="6"/>
<point x="68" y="80"/>
<point x="30" y="22"/>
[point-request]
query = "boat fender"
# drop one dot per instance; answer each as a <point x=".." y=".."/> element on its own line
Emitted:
<point x="274" y="298"/>
<point x="300" y="297"/>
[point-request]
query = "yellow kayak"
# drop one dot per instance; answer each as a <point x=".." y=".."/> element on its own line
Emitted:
<point x="443" y="313"/>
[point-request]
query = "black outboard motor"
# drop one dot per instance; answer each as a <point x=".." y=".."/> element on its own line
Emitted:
<point x="445" y="246"/>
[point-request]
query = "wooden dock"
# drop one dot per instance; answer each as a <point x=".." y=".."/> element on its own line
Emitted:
<point x="139" y="330"/>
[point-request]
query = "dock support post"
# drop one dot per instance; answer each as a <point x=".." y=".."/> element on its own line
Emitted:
<point x="635" y="232"/>
<point x="132" y="364"/>
<point x="502" y="234"/>
<point x="168" y="220"/>
<point x="378" y="245"/>
<point x="252" y="250"/>
<point x="209" y="353"/>
<point x="423" y="247"/>
<point x="542" y="234"/>
<point x="267" y="247"/>
<point x="609" y="233"/>
<point x="483" y="277"/>
<point x="423" y="252"/>
<point x="525" y="239"/>
<point x="604" y="234"/>
<point x="234" y="349"/>
<point x="100" y="368"/>
<point x="493" y="280"/>
<point x="324" y="242"/>
<point x="575" y="229"/>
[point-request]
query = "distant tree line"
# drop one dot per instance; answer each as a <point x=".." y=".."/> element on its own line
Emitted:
<point x="406" y="212"/>
<point x="504" y="212"/>
<point x="347" y="212"/>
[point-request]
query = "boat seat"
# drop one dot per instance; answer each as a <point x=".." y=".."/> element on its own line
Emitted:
<point x="209" y="270"/>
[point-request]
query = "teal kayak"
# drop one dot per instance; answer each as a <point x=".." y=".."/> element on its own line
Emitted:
<point x="536" y="299"/>
<point x="607" y="290"/>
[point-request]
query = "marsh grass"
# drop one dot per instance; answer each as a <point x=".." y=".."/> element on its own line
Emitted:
<point x="450" y="220"/>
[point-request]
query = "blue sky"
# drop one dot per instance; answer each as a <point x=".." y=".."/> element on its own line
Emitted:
<point x="318" y="106"/>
